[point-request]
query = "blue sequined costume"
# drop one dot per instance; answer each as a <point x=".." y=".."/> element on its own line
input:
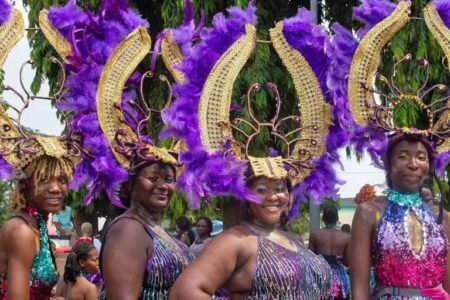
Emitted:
<point x="43" y="275"/>
<point x="163" y="267"/>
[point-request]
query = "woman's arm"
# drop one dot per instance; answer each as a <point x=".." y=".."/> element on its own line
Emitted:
<point x="21" y="249"/>
<point x="224" y="255"/>
<point x="360" y="249"/>
<point x="126" y="251"/>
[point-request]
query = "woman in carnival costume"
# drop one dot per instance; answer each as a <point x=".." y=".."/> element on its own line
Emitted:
<point x="398" y="235"/>
<point x="43" y="167"/>
<point x="256" y="259"/>
<point x="139" y="259"/>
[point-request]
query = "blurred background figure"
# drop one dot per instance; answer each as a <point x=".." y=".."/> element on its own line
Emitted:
<point x="86" y="234"/>
<point x="333" y="245"/>
<point x="63" y="223"/>
<point x="346" y="228"/>
<point x="82" y="260"/>
<point x="204" y="229"/>
<point x="183" y="230"/>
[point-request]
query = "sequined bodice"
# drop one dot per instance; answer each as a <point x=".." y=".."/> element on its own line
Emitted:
<point x="284" y="274"/>
<point x="43" y="275"/>
<point x="169" y="258"/>
<point x="399" y="259"/>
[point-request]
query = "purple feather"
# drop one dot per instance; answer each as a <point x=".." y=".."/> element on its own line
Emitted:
<point x="441" y="162"/>
<point x="6" y="170"/>
<point x="5" y="11"/>
<point x="371" y="12"/>
<point x="93" y="38"/>
<point x="443" y="8"/>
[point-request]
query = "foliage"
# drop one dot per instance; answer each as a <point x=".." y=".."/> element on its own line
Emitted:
<point x="5" y="189"/>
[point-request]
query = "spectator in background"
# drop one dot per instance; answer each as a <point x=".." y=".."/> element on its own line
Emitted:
<point x="204" y="229"/>
<point x="86" y="234"/>
<point x="346" y="228"/>
<point x="63" y="223"/>
<point x="183" y="230"/>
<point x="333" y="245"/>
<point x="427" y="195"/>
<point x="83" y="259"/>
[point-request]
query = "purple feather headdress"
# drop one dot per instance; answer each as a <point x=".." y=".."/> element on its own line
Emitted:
<point x="370" y="137"/>
<point x="311" y="41"/>
<point x="93" y="37"/>
<point x="220" y="173"/>
<point x="206" y="174"/>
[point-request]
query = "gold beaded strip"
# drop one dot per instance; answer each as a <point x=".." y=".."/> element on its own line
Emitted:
<point x="58" y="42"/>
<point x="366" y="58"/>
<point x="171" y="56"/>
<point x="442" y="35"/>
<point x="215" y="100"/>
<point x="123" y="61"/>
<point x="315" y="112"/>
<point x="10" y="33"/>
<point x="270" y="167"/>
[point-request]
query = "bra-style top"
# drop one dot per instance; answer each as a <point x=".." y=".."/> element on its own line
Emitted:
<point x="285" y="274"/>
<point x="43" y="274"/>
<point x="169" y="259"/>
<point x="404" y="262"/>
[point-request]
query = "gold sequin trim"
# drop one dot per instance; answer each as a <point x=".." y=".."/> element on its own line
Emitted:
<point x="123" y="61"/>
<point x="58" y="42"/>
<point x="10" y="33"/>
<point x="214" y="106"/>
<point x="162" y="154"/>
<point x="315" y="112"/>
<point x="52" y="146"/>
<point x="270" y="167"/>
<point x="171" y="56"/>
<point x="366" y="58"/>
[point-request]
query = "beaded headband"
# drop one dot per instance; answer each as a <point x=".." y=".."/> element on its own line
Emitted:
<point x="216" y="160"/>
<point x="19" y="146"/>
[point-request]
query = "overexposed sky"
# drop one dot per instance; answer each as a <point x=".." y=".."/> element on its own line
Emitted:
<point x="41" y="116"/>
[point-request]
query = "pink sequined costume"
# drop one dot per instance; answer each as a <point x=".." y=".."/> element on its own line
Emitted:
<point x="400" y="272"/>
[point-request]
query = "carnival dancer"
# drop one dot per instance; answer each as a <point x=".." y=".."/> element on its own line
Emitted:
<point x="42" y="167"/>
<point x="139" y="259"/>
<point x="398" y="235"/>
<point x="256" y="259"/>
<point x="333" y="245"/>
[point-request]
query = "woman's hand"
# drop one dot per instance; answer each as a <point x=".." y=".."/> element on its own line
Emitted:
<point x="436" y="293"/>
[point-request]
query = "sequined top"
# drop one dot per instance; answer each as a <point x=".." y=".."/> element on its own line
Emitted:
<point x="285" y="274"/>
<point x="168" y="260"/>
<point x="340" y="278"/>
<point x="43" y="275"/>
<point x="408" y="260"/>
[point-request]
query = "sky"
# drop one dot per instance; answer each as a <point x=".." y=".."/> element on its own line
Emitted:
<point x="41" y="116"/>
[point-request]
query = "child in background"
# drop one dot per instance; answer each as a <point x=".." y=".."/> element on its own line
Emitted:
<point x="82" y="260"/>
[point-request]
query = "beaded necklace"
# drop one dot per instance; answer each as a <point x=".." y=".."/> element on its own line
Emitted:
<point x="405" y="199"/>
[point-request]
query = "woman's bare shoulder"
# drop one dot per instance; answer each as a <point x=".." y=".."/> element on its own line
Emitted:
<point x="371" y="211"/>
